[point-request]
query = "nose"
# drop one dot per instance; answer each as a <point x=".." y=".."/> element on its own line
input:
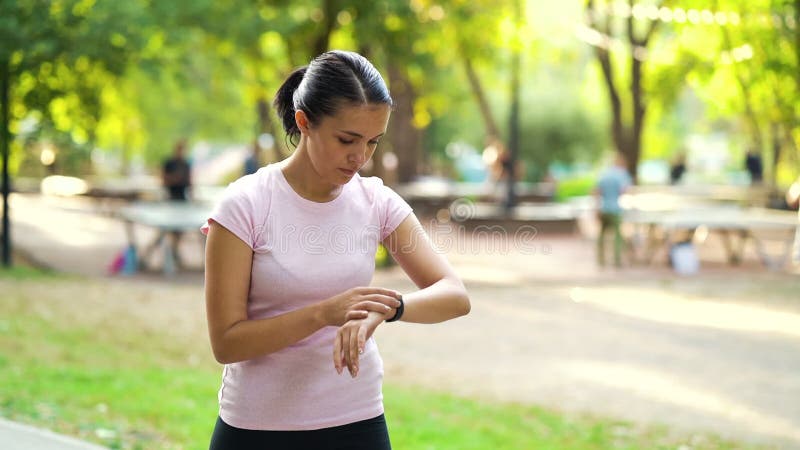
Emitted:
<point x="359" y="156"/>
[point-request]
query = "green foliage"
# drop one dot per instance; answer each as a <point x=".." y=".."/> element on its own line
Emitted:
<point x="749" y="78"/>
<point x="574" y="187"/>
<point x="60" y="53"/>
<point x="132" y="77"/>
<point x="555" y="128"/>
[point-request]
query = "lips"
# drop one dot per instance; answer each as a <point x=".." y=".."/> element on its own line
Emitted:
<point x="348" y="172"/>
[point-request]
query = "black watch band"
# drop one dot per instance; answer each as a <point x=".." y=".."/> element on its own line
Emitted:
<point x="399" y="312"/>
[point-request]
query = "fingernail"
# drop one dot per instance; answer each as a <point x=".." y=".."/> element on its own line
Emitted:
<point x="361" y="351"/>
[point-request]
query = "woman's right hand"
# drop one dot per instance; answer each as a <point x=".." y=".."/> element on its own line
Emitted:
<point x="355" y="303"/>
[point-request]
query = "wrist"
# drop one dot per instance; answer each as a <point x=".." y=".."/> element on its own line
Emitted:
<point x="377" y="317"/>
<point x="320" y="314"/>
<point x="398" y="313"/>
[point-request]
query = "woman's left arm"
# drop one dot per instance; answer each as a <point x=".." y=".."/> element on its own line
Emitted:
<point x="441" y="295"/>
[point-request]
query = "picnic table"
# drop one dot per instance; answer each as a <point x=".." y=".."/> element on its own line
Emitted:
<point x="735" y="225"/>
<point x="171" y="219"/>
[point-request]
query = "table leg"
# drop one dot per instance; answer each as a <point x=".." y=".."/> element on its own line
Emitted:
<point x="734" y="252"/>
<point x="773" y="263"/>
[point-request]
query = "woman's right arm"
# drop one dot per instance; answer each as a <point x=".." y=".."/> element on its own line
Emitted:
<point x="236" y="338"/>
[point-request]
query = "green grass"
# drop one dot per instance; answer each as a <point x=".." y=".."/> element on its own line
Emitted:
<point x="421" y="419"/>
<point x="119" y="391"/>
<point x="125" y="388"/>
<point x="574" y="187"/>
<point x="23" y="272"/>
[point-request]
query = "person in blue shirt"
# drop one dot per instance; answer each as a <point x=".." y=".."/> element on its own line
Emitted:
<point x="613" y="182"/>
<point x="253" y="161"/>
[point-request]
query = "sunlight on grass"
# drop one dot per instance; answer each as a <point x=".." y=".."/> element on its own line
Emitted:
<point x="127" y="387"/>
<point x="23" y="272"/>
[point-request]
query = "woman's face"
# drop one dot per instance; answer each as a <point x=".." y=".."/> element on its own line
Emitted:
<point x="340" y="145"/>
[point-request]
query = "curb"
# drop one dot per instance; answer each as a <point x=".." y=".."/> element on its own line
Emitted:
<point x="18" y="436"/>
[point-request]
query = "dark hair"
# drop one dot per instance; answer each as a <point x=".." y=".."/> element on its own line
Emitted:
<point x="331" y="80"/>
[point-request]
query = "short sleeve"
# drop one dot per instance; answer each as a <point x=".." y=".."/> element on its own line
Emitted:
<point x="236" y="212"/>
<point x="627" y="181"/>
<point x="393" y="210"/>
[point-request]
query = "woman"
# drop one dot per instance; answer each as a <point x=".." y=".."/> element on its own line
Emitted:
<point x="289" y="256"/>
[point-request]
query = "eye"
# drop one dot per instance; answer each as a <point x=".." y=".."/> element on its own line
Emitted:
<point x="346" y="141"/>
<point x="373" y="143"/>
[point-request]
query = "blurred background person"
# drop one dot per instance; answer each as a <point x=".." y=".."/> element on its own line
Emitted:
<point x="613" y="182"/>
<point x="754" y="166"/>
<point x="177" y="179"/>
<point x="253" y="161"/>
<point x="677" y="169"/>
<point x="177" y="174"/>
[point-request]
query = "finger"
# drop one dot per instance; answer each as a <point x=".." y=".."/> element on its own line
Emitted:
<point x="358" y="314"/>
<point x="362" y="339"/>
<point x="387" y="300"/>
<point x="337" y="352"/>
<point x="354" y="353"/>
<point x="346" y="350"/>
<point x="372" y="306"/>
<point x="377" y="290"/>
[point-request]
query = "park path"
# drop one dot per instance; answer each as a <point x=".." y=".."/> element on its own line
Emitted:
<point x="719" y="352"/>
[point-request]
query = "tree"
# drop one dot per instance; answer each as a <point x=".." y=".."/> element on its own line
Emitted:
<point x="627" y="122"/>
<point x="54" y="57"/>
<point x="762" y="56"/>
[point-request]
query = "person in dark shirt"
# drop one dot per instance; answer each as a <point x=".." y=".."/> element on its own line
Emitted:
<point x="754" y="166"/>
<point x="177" y="179"/>
<point x="677" y="169"/>
<point x="176" y="173"/>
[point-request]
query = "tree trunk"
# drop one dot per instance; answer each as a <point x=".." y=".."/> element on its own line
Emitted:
<point x="513" y="126"/>
<point x="634" y="149"/>
<point x="329" y="12"/>
<point x="5" y="147"/>
<point x="480" y="96"/>
<point x="797" y="40"/>
<point x="776" y="153"/>
<point x="618" y="129"/>
<point x="404" y="138"/>
<point x="752" y="118"/>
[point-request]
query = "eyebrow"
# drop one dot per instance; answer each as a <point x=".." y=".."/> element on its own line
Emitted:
<point x="353" y="133"/>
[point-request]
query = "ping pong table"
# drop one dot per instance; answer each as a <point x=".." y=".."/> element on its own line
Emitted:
<point x="735" y="225"/>
<point x="170" y="219"/>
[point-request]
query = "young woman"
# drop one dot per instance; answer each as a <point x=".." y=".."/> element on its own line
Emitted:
<point x="289" y="259"/>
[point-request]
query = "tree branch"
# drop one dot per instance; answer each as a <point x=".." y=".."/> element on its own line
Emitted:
<point x="480" y="96"/>
<point x="604" y="58"/>
<point x="329" y="11"/>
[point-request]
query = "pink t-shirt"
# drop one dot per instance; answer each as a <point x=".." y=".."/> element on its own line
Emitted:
<point x="304" y="252"/>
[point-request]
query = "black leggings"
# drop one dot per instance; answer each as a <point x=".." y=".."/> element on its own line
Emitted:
<point x="370" y="434"/>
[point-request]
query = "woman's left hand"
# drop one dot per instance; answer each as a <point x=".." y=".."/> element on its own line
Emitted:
<point x="351" y="339"/>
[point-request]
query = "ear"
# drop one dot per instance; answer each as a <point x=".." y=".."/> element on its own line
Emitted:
<point x="301" y="119"/>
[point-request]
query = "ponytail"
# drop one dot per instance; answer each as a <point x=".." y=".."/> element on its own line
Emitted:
<point x="284" y="103"/>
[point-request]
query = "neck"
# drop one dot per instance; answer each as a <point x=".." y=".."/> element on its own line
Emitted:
<point x="304" y="179"/>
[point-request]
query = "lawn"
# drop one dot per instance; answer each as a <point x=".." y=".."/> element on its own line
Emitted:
<point x="127" y="365"/>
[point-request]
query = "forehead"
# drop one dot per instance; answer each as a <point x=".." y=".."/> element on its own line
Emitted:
<point x="368" y="120"/>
